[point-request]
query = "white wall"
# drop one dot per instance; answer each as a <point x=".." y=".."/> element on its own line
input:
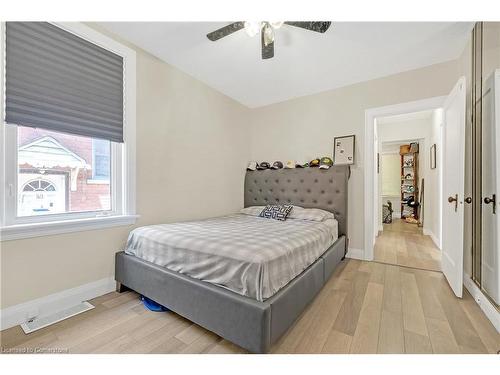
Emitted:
<point x="434" y="180"/>
<point x="390" y="182"/>
<point x="390" y="174"/>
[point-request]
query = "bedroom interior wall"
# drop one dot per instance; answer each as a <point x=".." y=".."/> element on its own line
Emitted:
<point x="304" y="128"/>
<point x="192" y="151"/>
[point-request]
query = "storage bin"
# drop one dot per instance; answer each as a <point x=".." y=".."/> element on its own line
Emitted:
<point x="404" y="149"/>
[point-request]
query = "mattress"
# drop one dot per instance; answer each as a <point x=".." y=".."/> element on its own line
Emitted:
<point x="249" y="255"/>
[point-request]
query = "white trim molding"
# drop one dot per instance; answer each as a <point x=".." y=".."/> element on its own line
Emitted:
<point x="369" y="159"/>
<point x="44" y="306"/>
<point x="20" y="231"/>
<point x="433" y="237"/>
<point x="483" y="302"/>
<point x="355" y="254"/>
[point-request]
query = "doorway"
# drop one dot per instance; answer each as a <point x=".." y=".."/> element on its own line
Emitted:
<point x="408" y="186"/>
<point x="371" y="158"/>
<point x="452" y="159"/>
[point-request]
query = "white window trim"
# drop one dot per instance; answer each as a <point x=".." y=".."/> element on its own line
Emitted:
<point x="124" y="186"/>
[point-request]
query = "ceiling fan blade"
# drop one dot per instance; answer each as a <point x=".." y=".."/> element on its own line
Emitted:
<point x="225" y="31"/>
<point x="267" y="50"/>
<point x="318" y="26"/>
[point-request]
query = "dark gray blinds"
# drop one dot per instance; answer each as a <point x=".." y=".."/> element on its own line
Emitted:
<point x="58" y="81"/>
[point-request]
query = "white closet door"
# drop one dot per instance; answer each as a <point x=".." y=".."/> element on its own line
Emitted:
<point x="453" y="187"/>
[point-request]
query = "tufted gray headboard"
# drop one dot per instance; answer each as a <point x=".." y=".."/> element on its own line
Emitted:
<point x="305" y="187"/>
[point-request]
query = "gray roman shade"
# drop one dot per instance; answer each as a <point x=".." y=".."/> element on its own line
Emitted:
<point x="58" y="81"/>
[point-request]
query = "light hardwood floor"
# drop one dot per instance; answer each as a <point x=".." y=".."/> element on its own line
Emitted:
<point x="366" y="307"/>
<point x="404" y="244"/>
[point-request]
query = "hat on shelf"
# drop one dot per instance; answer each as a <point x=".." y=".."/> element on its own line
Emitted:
<point x="252" y="166"/>
<point x="325" y="162"/>
<point x="314" y="162"/>
<point x="277" y="165"/>
<point x="302" y="164"/>
<point x="263" y="165"/>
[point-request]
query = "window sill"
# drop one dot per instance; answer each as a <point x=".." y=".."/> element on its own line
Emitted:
<point x="16" y="232"/>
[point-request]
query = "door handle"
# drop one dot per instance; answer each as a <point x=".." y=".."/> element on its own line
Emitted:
<point x="468" y="200"/>
<point x="454" y="199"/>
<point x="493" y="200"/>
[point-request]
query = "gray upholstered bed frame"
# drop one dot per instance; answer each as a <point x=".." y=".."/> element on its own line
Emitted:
<point x="246" y="322"/>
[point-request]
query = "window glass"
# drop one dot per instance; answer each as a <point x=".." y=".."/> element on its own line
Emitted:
<point x="56" y="173"/>
<point x="101" y="158"/>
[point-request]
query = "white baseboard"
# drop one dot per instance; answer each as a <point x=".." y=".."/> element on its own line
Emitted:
<point x="355" y="254"/>
<point x="434" y="239"/>
<point x="484" y="303"/>
<point x="40" y="307"/>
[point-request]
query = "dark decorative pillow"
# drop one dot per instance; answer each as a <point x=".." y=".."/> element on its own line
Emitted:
<point x="276" y="211"/>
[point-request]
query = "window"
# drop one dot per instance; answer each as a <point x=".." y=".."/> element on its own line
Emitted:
<point x="101" y="149"/>
<point x="56" y="174"/>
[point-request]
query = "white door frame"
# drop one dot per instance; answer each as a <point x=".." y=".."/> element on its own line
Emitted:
<point x="369" y="176"/>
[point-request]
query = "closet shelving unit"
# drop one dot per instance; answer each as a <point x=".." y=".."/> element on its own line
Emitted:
<point x="409" y="180"/>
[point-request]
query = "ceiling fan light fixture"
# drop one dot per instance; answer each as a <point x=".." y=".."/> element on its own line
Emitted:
<point x="252" y="28"/>
<point x="276" y="24"/>
<point x="268" y="34"/>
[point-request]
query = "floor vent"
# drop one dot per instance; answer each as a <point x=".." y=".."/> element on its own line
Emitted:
<point x="35" y="324"/>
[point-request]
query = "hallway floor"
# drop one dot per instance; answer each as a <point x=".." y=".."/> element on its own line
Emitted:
<point x="404" y="244"/>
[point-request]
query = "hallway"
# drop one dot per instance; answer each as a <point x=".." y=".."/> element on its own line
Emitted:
<point x="404" y="244"/>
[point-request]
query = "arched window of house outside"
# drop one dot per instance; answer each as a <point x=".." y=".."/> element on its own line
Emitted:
<point x="39" y="185"/>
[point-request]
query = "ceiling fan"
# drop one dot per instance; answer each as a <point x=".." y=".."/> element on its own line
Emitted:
<point x="266" y="30"/>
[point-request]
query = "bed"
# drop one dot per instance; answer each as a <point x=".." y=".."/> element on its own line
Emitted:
<point x="244" y="277"/>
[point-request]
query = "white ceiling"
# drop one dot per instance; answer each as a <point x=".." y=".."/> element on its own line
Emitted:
<point x="305" y="62"/>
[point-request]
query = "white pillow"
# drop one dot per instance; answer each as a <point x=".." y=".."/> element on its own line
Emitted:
<point x="252" y="210"/>
<point x="310" y="214"/>
<point x="299" y="213"/>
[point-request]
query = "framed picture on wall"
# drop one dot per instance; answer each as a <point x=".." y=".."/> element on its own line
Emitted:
<point x="433" y="156"/>
<point x="343" y="150"/>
